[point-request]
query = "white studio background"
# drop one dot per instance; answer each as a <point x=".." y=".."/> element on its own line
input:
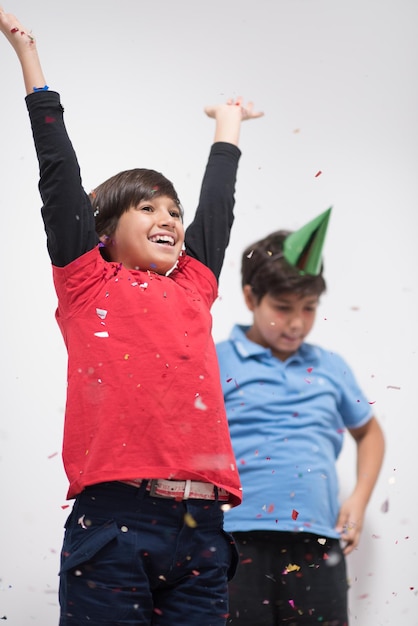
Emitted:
<point x="337" y="82"/>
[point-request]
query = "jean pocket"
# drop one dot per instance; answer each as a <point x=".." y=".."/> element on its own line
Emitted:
<point x="76" y="551"/>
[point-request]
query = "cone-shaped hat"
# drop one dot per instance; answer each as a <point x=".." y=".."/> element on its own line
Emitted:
<point x="303" y="248"/>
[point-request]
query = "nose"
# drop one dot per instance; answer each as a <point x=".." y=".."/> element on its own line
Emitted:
<point x="296" y="322"/>
<point x="166" y="219"/>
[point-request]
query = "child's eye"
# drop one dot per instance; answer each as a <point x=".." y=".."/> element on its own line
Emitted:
<point x="175" y="214"/>
<point x="146" y="207"/>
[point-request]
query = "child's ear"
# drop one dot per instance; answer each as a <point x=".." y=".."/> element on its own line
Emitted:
<point x="249" y="297"/>
<point x="105" y="240"/>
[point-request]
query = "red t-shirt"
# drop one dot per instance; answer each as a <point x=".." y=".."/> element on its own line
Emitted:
<point x="144" y="396"/>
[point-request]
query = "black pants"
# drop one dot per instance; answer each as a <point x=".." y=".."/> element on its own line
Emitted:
<point x="288" y="578"/>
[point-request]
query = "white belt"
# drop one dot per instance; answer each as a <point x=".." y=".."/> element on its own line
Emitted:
<point x="181" y="489"/>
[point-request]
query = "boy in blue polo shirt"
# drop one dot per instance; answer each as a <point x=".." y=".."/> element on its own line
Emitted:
<point x="288" y="404"/>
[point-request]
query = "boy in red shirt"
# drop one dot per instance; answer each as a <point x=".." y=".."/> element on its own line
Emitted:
<point x="146" y="444"/>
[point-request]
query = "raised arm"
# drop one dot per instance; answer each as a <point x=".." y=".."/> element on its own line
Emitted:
<point x="208" y="235"/>
<point x="67" y="213"/>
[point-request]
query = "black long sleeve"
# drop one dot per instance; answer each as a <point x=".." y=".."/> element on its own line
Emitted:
<point x="67" y="212"/>
<point x="207" y="237"/>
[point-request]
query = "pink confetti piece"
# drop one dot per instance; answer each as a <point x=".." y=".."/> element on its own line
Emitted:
<point x="51" y="456"/>
<point x="385" y="506"/>
<point x="309" y="369"/>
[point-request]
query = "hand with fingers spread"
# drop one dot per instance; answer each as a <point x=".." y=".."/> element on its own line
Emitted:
<point x="229" y="116"/>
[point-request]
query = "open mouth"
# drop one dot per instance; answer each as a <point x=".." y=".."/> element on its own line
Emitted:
<point x="165" y="240"/>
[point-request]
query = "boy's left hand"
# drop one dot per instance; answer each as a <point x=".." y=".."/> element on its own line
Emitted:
<point x="246" y="110"/>
<point x="350" y="524"/>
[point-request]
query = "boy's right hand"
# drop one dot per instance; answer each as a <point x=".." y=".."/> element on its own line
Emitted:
<point x="19" y="37"/>
<point x="24" y="45"/>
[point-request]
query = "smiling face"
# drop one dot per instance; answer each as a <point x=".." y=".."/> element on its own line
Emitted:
<point x="148" y="236"/>
<point x="282" y="322"/>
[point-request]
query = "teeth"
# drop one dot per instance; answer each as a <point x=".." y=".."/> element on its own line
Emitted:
<point x="162" y="239"/>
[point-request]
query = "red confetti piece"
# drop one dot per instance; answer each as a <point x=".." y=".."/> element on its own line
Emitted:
<point x="246" y="561"/>
<point x="309" y="369"/>
<point x="49" y="120"/>
<point x="318" y="173"/>
<point x="295" y="514"/>
<point x="270" y="508"/>
<point x="64" y="506"/>
<point x="374" y="402"/>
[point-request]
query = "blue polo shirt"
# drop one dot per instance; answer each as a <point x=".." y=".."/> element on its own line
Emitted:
<point x="287" y="421"/>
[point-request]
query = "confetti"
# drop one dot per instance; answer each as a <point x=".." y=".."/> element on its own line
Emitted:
<point x="102" y="334"/>
<point x="291" y="568"/>
<point x="51" y="456"/>
<point x="189" y="520"/>
<point x="295" y="514"/>
<point x="101" y="313"/>
<point x="82" y="523"/>
<point x="199" y="404"/>
<point x="319" y="172"/>
<point x="385" y="506"/>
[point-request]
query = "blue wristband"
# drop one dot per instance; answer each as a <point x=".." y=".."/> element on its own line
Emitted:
<point x="44" y="88"/>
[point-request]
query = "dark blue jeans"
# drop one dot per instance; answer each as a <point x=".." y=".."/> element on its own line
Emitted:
<point x="288" y="579"/>
<point x="132" y="559"/>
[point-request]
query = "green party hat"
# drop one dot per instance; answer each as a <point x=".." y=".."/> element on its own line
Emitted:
<point x="303" y="248"/>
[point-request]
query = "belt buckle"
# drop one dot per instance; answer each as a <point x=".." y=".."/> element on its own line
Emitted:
<point x="153" y="486"/>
